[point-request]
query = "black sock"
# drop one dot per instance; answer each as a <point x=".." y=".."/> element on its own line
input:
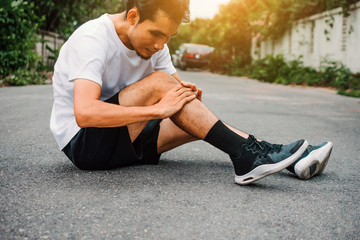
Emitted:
<point x="223" y="138"/>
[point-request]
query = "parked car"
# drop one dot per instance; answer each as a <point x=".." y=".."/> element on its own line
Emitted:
<point x="190" y="55"/>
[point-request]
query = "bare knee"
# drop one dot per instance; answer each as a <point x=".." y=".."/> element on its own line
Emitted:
<point x="162" y="81"/>
<point x="147" y="91"/>
<point x="158" y="83"/>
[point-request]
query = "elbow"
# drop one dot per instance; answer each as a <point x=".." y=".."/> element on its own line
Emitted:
<point x="82" y="119"/>
<point x="81" y="124"/>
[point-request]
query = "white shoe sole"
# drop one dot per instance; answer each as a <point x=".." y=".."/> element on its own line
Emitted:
<point x="267" y="169"/>
<point x="314" y="163"/>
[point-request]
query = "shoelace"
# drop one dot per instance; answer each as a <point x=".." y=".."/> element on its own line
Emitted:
<point x="263" y="148"/>
<point x="274" y="147"/>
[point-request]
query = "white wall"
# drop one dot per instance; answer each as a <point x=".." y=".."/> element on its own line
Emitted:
<point x="306" y="38"/>
<point x="53" y="40"/>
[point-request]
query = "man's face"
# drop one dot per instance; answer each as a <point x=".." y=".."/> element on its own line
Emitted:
<point x="149" y="37"/>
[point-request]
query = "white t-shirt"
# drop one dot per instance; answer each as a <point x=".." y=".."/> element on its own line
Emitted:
<point x="95" y="52"/>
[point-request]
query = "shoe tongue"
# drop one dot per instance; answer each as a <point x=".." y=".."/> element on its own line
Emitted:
<point x="250" y="139"/>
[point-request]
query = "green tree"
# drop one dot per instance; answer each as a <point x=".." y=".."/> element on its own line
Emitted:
<point x="63" y="16"/>
<point x="18" y="26"/>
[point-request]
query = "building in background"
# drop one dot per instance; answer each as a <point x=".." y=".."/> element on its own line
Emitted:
<point x="314" y="40"/>
<point x="48" y="46"/>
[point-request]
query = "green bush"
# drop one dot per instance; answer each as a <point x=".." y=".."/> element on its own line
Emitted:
<point x="18" y="26"/>
<point x="338" y="76"/>
<point x="276" y="69"/>
<point x="238" y="64"/>
<point x="23" y="77"/>
<point x="268" y="69"/>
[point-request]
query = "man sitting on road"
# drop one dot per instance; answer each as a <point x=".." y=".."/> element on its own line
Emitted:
<point x="118" y="100"/>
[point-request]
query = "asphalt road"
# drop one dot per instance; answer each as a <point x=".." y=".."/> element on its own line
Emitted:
<point x="191" y="194"/>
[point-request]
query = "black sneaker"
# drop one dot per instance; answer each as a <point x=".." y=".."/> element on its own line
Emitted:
<point x="313" y="161"/>
<point x="259" y="159"/>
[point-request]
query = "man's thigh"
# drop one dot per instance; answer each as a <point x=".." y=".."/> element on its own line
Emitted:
<point x="147" y="91"/>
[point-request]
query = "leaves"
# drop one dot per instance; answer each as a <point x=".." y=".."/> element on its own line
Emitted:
<point x="64" y="16"/>
<point x="20" y="20"/>
<point x="19" y="24"/>
<point x="231" y="30"/>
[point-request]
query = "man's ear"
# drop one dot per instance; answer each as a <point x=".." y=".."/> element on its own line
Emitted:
<point x="133" y="16"/>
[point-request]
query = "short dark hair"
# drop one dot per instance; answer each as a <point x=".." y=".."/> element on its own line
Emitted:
<point x="176" y="10"/>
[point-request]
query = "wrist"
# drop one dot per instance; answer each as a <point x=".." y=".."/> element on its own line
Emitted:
<point x="156" y="113"/>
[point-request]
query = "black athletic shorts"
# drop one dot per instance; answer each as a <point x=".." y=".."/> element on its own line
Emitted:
<point x="109" y="148"/>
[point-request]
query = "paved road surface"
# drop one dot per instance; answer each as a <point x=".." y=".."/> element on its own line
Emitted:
<point x="191" y="194"/>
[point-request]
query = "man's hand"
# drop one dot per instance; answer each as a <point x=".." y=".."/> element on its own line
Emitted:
<point x="192" y="86"/>
<point x="174" y="100"/>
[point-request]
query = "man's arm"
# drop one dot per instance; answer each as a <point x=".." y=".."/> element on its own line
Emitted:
<point x="90" y="111"/>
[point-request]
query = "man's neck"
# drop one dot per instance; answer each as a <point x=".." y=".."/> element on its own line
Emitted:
<point x="121" y="27"/>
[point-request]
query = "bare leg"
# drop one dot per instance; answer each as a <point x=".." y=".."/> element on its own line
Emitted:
<point x="194" y="119"/>
<point x="171" y="136"/>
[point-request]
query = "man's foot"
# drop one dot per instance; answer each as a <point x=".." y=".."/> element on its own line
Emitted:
<point x="313" y="161"/>
<point x="260" y="159"/>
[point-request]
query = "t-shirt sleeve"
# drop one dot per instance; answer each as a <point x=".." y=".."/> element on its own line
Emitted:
<point x="163" y="62"/>
<point x="87" y="58"/>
